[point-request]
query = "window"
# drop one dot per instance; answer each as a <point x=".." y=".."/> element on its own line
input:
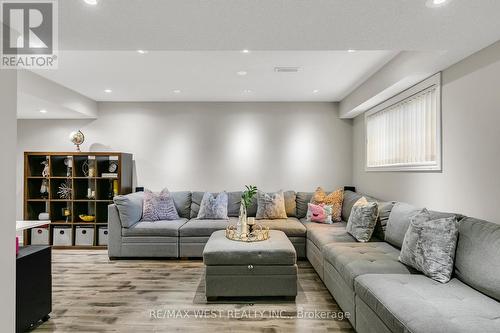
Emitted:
<point x="404" y="133"/>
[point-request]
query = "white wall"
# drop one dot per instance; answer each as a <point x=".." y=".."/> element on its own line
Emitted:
<point x="211" y="146"/>
<point x="8" y="106"/>
<point x="470" y="180"/>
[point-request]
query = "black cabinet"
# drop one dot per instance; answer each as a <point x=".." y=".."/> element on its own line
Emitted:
<point x="33" y="286"/>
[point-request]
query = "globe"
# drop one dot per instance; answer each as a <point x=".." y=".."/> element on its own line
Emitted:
<point x="77" y="138"/>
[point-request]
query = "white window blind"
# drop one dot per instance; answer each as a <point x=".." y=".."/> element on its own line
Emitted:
<point x="404" y="133"/>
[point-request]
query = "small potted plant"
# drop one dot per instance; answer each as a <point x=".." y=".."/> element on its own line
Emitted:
<point x="246" y="201"/>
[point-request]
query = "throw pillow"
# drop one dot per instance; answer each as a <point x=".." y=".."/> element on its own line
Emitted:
<point x="362" y="220"/>
<point x="213" y="206"/>
<point x="271" y="205"/>
<point x="429" y="245"/>
<point x="333" y="199"/>
<point x="319" y="213"/>
<point x="158" y="206"/>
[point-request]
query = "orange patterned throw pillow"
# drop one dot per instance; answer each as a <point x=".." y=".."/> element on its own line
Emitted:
<point x="334" y="199"/>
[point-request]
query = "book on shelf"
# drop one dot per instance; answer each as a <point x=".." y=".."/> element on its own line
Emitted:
<point x="109" y="175"/>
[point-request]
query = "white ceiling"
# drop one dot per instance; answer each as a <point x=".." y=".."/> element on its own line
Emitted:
<point x="194" y="45"/>
<point x="212" y="75"/>
<point x="277" y="25"/>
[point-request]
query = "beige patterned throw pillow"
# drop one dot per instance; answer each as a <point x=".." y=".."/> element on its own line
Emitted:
<point x="333" y="199"/>
<point x="271" y="205"/>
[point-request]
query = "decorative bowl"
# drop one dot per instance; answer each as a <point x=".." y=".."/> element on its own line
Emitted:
<point x="87" y="218"/>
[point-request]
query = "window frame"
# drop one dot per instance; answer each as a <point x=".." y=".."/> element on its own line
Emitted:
<point x="426" y="84"/>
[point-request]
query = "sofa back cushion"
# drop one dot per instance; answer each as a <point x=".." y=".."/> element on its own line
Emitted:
<point x="302" y="199"/>
<point x="182" y="202"/>
<point x="196" y="198"/>
<point x="233" y="203"/>
<point x="477" y="260"/>
<point x="350" y="198"/>
<point x="129" y="208"/>
<point x="290" y="203"/>
<point x="398" y="222"/>
<point x="384" y="211"/>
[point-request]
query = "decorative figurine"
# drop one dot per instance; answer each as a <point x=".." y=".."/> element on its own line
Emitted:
<point x="64" y="191"/>
<point x="44" y="189"/>
<point x="77" y="138"/>
<point x="45" y="172"/>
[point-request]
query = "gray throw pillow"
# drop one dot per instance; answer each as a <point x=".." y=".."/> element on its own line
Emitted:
<point x="429" y="246"/>
<point x="213" y="206"/>
<point x="271" y="205"/>
<point x="158" y="206"/>
<point x="362" y="220"/>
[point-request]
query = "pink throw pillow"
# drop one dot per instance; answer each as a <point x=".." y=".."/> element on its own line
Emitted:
<point x="317" y="213"/>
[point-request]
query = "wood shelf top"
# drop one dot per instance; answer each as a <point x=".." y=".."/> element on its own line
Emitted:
<point x="76" y="153"/>
<point x="71" y="177"/>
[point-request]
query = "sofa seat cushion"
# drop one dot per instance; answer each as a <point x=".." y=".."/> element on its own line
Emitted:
<point x="322" y="234"/>
<point x="415" y="303"/>
<point x="157" y="228"/>
<point x="205" y="228"/>
<point x="354" y="259"/>
<point x="290" y="226"/>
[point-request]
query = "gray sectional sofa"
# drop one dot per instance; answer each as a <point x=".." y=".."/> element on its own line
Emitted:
<point x="366" y="279"/>
<point x="186" y="237"/>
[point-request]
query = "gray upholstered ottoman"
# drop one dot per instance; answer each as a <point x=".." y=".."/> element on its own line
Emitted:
<point x="258" y="269"/>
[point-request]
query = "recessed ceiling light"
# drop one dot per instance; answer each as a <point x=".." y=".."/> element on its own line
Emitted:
<point x="247" y="91"/>
<point x="242" y="73"/>
<point x="351" y="51"/>
<point x="436" y="3"/>
<point x="108" y="91"/>
<point x="176" y="91"/>
<point x="315" y="91"/>
<point x="43" y="111"/>
<point x="245" y="51"/>
<point x="91" y="2"/>
<point x="142" y="51"/>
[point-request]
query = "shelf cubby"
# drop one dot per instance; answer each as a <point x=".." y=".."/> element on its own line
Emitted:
<point x="61" y="165"/>
<point x="34" y="166"/>
<point x="102" y="211"/>
<point x="34" y="208"/>
<point x="84" y="208"/>
<point x="55" y="184"/>
<point x="57" y="211"/>
<point x="33" y="187"/>
<point x="83" y="187"/>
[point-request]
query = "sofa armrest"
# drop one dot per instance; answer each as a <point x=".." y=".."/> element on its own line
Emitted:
<point x="114" y="232"/>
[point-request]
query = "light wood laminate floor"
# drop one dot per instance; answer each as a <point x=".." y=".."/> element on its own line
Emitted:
<point x="93" y="294"/>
